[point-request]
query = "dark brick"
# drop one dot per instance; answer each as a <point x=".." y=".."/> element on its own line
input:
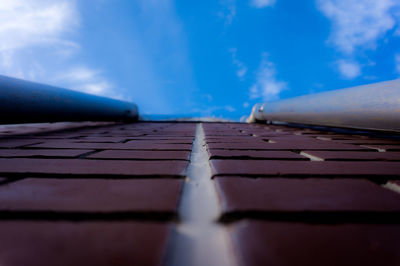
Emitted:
<point x="42" y="153"/>
<point x="383" y="147"/>
<point x="92" y="167"/>
<point x="86" y="243"/>
<point x="285" y="146"/>
<point x="231" y="154"/>
<point x="147" y="155"/>
<point x="287" y="244"/>
<point x="91" y="195"/>
<point x="114" y="146"/>
<point x="354" y="155"/>
<point x="14" y="143"/>
<point x="100" y="139"/>
<point x="306" y="168"/>
<point x="299" y="195"/>
<point x="369" y="141"/>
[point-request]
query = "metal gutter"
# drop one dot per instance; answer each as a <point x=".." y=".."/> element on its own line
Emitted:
<point x="374" y="106"/>
<point x="28" y="102"/>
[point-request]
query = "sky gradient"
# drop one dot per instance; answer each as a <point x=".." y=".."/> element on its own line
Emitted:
<point x="200" y="58"/>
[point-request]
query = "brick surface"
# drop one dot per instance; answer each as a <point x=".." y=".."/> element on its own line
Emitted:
<point x="369" y="141"/>
<point x="92" y="167"/>
<point x="41" y="153"/>
<point x="114" y="146"/>
<point x="299" y="195"/>
<point x="143" y="155"/>
<point x="383" y="147"/>
<point x="306" y="168"/>
<point x="354" y="155"/>
<point x="249" y="154"/>
<point x="14" y="143"/>
<point x="283" y="146"/>
<point x="91" y="195"/>
<point x="85" y="243"/>
<point x="287" y="244"/>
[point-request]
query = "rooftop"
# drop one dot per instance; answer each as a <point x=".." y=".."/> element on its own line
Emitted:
<point x="198" y="193"/>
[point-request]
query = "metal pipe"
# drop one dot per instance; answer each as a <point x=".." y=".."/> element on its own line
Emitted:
<point x="28" y="102"/>
<point x="374" y="106"/>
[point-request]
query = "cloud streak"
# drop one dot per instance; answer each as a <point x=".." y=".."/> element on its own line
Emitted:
<point x="267" y="86"/>
<point x="357" y="25"/>
<point x="262" y="3"/>
<point x="241" y="68"/>
<point x="37" y="37"/>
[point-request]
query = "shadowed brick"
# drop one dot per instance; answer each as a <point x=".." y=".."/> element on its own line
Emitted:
<point x="299" y="195"/>
<point x="306" y="168"/>
<point x="41" y="153"/>
<point x="14" y="143"/>
<point x="287" y="244"/>
<point x="354" y="155"/>
<point x="91" y="195"/>
<point x="243" y="154"/>
<point x="383" y="147"/>
<point x="143" y="155"/>
<point x="86" y="243"/>
<point x="360" y="141"/>
<point x="285" y="146"/>
<point x="113" y="146"/>
<point x="92" y="167"/>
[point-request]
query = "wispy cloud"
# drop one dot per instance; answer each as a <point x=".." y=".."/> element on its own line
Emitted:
<point x="267" y="86"/>
<point x="33" y="31"/>
<point x="85" y="79"/>
<point x="228" y="12"/>
<point x="357" y="24"/>
<point x="397" y="61"/>
<point x="262" y="3"/>
<point x="349" y="69"/>
<point x="241" y="68"/>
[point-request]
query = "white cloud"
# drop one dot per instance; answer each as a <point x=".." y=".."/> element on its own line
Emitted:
<point x="397" y="61"/>
<point x="358" y="23"/>
<point x="84" y="79"/>
<point x="241" y="68"/>
<point x="35" y="22"/>
<point x="262" y="3"/>
<point x="37" y="44"/>
<point x="349" y="69"/>
<point x="267" y="86"/>
<point x="228" y="13"/>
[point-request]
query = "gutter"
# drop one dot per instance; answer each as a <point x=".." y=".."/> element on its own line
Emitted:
<point x="373" y="106"/>
<point x="28" y="102"/>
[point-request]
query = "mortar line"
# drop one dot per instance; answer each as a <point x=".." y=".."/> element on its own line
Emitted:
<point x="199" y="239"/>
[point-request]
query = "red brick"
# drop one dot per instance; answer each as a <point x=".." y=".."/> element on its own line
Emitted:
<point x="383" y="147"/>
<point x="14" y="143"/>
<point x="243" y="154"/>
<point x="100" y="139"/>
<point x="287" y="244"/>
<point x="299" y="195"/>
<point x="85" y="243"/>
<point x="92" y="167"/>
<point x="355" y="155"/>
<point x="91" y="195"/>
<point x="284" y="146"/>
<point x="369" y="141"/>
<point x="142" y="155"/>
<point x="41" y="153"/>
<point x="306" y="168"/>
<point x="114" y="146"/>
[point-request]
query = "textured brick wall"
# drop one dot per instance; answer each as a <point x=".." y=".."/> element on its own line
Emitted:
<point x="111" y="195"/>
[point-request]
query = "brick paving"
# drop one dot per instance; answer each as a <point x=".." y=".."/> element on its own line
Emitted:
<point x="110" y="194"/>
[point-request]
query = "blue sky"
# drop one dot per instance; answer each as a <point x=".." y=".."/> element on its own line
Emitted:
<point x="203" y="58"/>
